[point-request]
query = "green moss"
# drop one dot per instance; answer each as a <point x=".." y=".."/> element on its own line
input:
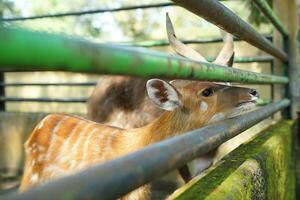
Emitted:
<point x="262" y="168"/>
<point x="248" y="183"/>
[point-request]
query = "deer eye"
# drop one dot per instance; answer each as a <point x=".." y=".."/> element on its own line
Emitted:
<point x="207" y="92"/>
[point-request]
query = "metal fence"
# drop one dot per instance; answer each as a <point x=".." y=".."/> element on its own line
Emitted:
<point x="69" y="54"/>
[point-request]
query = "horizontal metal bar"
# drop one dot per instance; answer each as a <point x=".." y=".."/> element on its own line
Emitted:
<point x="59" y="53"/>
<point x="269" y="13"/>
<point x="260" y="102"/>
<point x="88" y="12"/>
<point x="259" y="59"/>
<point x="166" y="43"/>
<point x="43" y="100"/>
<point x="129" y="172"/>
<point x="47" y="84"/>
<point x="216" y="13"/>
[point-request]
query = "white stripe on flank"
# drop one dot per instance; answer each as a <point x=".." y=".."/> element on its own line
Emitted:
<point x="53" y="171"/>
<point x="87" y="143"/>
<point x="63" y="154"/>
<point x="54" y="138"/>
<point x="34" y="178"/>
<point x="41" y="124"/>
<point x="97" y="147"/>
<point x="74" y="149"/>
<point x="107" y="147"/>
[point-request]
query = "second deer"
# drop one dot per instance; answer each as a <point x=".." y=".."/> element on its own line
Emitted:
<point x="122" y="101"/>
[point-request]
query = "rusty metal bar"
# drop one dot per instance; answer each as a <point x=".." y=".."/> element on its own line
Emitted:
<point x="43" y="100"/>
<point x="88" y="12"/>
<point x="260" y="102"/>
<point x="157" y="43"/>
<point x="118" y="177"/>
<point x="258" y="59"/>
<point x="216" y="13"/>
<point x="59" y="53"/>
<point x="92" y="83"/>
<point x="269" y="13"/>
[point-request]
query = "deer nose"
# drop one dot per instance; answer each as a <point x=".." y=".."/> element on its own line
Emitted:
<point x="254" y="93"/>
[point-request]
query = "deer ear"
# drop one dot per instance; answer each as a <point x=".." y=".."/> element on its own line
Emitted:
<point x="163" y="94"/>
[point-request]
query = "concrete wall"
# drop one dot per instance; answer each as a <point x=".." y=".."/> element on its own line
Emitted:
<point x="14" y="130"/>
<point x="263" y="168"/>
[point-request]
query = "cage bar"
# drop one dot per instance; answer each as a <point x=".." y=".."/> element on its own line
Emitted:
<point x="48" y="84"/>
<point x="269" y="13"/>
<point x="145" y="165"/>
<point x="88" y="12"/>
<point x="59" y="53"/>
<point x="216" y="13"/>
<point x="157" y="43"/>
<point x="43" y="100"/>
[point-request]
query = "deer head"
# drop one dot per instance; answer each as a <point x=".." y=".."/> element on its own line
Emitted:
<point x="201" y="102"/>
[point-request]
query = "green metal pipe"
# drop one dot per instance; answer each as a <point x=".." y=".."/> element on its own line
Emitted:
<point x="158" y="43"/>
<point x="216" y="13"/>
<point x="260" y="59"/>
<point x="23" y="50"/>
<point x="269" y="13"/>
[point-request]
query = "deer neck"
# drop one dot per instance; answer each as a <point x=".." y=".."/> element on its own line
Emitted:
<point x="167" y="125"/>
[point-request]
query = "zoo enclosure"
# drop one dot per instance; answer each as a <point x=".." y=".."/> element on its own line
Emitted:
<point x="3" y="85"/>
<point x="158" y="159"/>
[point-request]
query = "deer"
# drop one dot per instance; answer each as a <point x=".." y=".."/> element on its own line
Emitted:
<point x="122" y="101"/>
<point x="61" y="145"/>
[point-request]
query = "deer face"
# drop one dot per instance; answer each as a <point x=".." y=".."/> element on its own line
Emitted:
<point x="205" y="101"/>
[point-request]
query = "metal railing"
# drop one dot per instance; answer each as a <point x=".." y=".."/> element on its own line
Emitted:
<point x="141" y="167"/>
<point x="69" y="54"/>
<point x="116" y="178"/>
<point x="159" y="43"/>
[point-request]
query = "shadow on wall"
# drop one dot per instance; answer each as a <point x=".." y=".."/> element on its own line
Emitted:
<point x="14" y="130"/>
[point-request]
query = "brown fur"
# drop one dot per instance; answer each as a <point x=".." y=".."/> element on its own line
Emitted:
<point x="121" y="101"/>
<point x="62" y="144"/>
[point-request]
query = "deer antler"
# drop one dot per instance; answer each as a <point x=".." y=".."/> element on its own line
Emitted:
<point x="178" y="46"/>
<point x="225" y="57"/>
<point x="226" y="54"/>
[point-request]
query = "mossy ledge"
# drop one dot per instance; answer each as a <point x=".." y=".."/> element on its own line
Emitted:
<point x="263" y="168"/>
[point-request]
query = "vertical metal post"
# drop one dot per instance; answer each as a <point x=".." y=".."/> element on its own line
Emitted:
<point x="287" y="113"/>
<point x="272" y="66"/>
<point x="272" y="85"/>
<point x="288" y="14"/>
<point x="2" y="91"/>
<point x="2" y="80"/>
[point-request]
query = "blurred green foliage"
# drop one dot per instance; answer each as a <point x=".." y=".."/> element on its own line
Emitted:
<point x="137" y="25"/>
<point x="6" y="5"/>
<point x="256" y="16"/>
